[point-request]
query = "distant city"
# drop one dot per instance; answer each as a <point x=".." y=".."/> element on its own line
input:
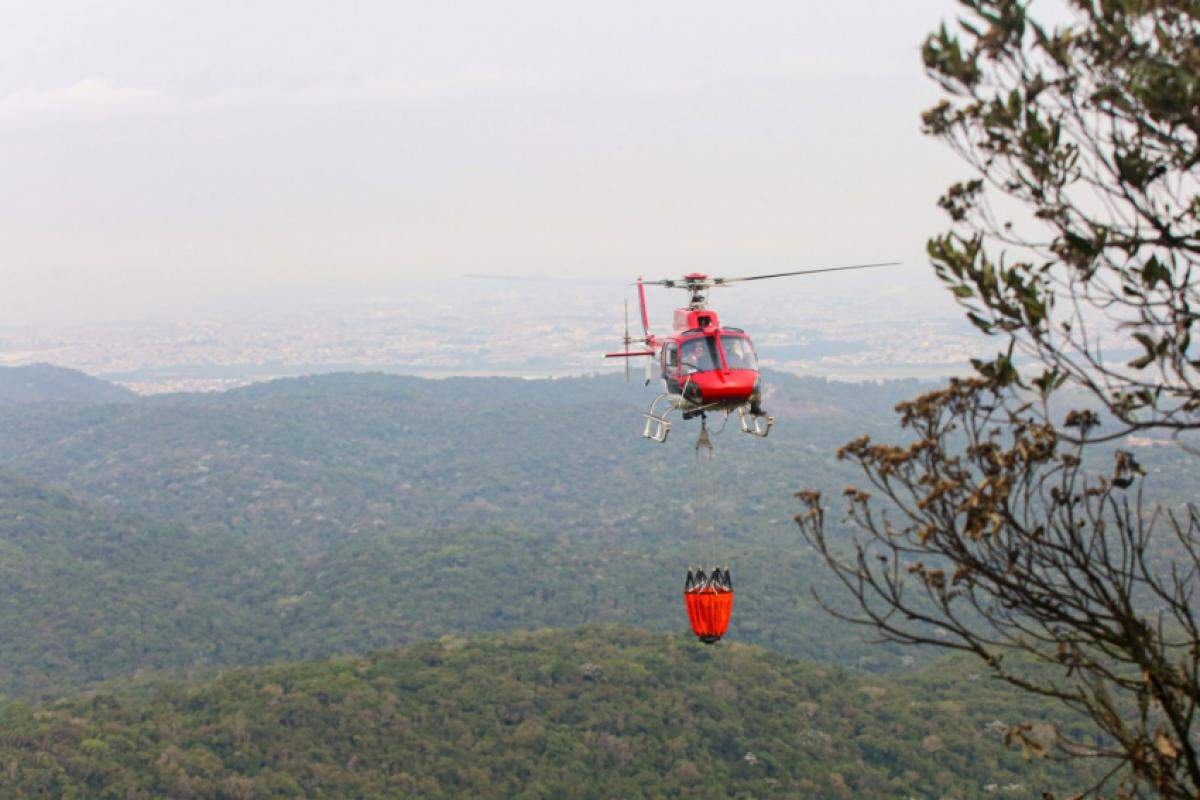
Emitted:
<point x="461" y="327"/>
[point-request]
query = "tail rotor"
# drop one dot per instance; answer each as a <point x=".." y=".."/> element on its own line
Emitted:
<point x="627" y="340"/>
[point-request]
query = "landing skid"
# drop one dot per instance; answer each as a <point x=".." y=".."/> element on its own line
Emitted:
<point x="755" y="424"/>
<point x="658" y="427"/>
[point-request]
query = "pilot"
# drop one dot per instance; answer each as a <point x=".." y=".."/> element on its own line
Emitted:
<point x="694" y="354"/>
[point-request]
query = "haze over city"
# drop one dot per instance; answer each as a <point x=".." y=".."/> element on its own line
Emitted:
<point x="273" y="188"/>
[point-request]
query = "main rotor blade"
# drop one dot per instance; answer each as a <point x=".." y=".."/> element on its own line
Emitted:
<point x="723" y="281"/>
<point x="538" y="279"/>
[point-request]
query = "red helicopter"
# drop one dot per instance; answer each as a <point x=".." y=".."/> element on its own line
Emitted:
<point x="705" y="367"/>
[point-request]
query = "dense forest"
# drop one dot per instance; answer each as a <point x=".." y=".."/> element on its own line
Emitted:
<point x="598" y="712"/>
<point x="311" y="517"/>
<point x="313" y="459"/>
<point x="92" y="595"/>
<point x="149" y="544"/>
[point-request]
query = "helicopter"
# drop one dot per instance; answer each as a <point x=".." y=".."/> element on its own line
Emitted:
<point x="706" y="367"/>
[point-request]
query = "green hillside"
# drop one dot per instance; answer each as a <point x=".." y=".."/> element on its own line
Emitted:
<point x="309" y="517"/>
<point x="313" y="517"/>
<point x="608" y="712"/>
<point x="301" y="463"/>
<point x="316" y="459"/>
<point x="87" y="594"/>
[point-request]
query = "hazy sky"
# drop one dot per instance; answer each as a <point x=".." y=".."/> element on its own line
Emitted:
<point x="152" y="152"/>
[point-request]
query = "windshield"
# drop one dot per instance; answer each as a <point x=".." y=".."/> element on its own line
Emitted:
<point x="699" y="355"/>
<point x="739" y="353"/>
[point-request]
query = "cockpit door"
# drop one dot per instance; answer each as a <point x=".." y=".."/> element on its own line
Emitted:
<point x="670" y="366"/>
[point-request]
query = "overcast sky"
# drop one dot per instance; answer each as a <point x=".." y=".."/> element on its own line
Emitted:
<point x="153" y="152"/>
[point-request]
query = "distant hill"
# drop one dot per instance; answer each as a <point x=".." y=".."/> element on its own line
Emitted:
<point x="592" y="713"/>
<point x="40" y="383"/>
<point x="328" y="456"/>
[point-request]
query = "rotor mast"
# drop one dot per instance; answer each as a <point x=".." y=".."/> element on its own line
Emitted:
<point x="697" y="286"/>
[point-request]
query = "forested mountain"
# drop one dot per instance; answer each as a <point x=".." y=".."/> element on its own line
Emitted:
<point x="39" y="383"/>
<point x="90" y="594"/>
<point x="311" y="517"/>
<point x="317" y="458"/>
<point x="608" y="712"/>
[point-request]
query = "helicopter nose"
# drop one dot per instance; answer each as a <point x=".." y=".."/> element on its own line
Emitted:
<point x="731" y="385"/>
<point x="741" y="382"/>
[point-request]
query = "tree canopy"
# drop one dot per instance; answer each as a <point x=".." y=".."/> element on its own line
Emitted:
<point x="592" y="713"/>
<point x="999" y="526"/>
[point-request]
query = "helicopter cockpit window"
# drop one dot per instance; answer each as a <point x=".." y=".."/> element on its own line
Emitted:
<point x="739" y="353"/>
<point x="670" y="357"/>
<point x="699" y="355"/>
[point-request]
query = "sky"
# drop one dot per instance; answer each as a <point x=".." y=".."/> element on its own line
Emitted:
<point x="163" y="155"/>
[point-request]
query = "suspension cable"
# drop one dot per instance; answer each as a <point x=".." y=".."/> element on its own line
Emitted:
<point x="709" y="506"/>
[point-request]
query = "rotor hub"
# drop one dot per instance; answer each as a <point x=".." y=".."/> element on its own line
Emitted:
<point x="697" y="285"/>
